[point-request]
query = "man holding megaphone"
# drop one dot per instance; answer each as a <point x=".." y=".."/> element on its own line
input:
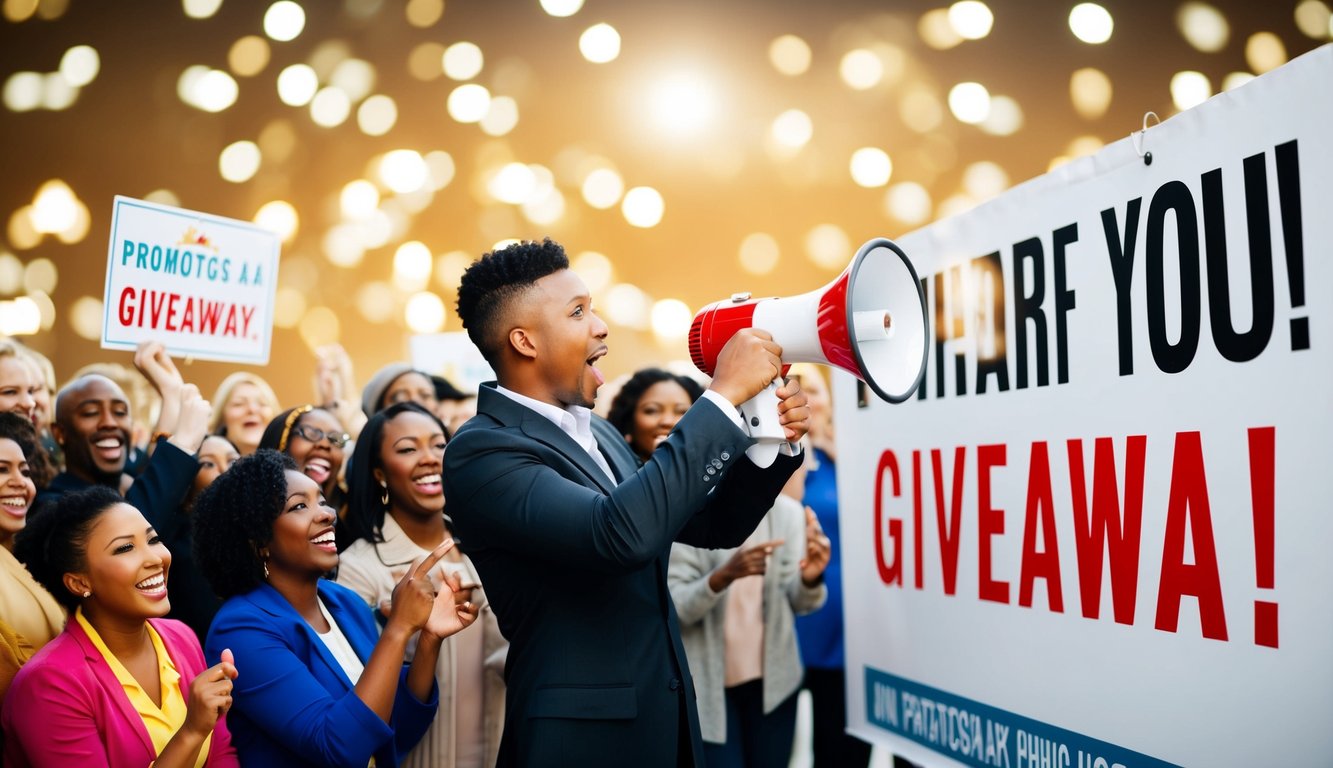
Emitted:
<point x="571" y="535"/>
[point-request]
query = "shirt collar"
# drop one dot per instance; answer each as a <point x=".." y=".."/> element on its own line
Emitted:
<point x="575" y="421"/>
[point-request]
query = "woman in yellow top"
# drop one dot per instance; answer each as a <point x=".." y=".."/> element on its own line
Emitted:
<point x="121" y="686"/>
<point x="31" y="617"/>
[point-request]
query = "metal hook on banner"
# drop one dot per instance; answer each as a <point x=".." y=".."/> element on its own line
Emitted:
<point x="1137" y="138"/>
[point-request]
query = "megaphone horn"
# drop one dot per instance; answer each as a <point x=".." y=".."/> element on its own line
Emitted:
<point x="870" y="321"/>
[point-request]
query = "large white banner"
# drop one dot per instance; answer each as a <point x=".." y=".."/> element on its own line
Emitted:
<point x="1102" y="534"/>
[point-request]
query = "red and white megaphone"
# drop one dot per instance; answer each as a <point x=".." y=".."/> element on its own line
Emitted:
<point x="870" y="322"/>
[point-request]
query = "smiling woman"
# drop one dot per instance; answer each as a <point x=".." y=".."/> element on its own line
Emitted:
<point x="121" y="685"/>
<point x="315" y="440"/>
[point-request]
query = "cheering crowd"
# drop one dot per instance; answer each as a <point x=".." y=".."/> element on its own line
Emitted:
<point x="226" y="582"/>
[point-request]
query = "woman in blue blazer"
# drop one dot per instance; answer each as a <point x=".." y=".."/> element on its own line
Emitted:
<point x="321" y="689"/>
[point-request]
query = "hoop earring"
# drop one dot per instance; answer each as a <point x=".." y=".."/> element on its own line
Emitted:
<point x="384" y="498"/>
<point x="265" y="570"/>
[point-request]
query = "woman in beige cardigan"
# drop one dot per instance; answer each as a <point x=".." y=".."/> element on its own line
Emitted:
<point x="395" y="515"/>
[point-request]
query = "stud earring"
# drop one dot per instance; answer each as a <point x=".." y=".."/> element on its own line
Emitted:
<point x="87" y="594"/>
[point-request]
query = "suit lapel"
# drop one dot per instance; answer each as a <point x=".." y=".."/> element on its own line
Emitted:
<point x="267" y="599"/>
<point x="540" y="428"/>
<point x="615" y="449"/>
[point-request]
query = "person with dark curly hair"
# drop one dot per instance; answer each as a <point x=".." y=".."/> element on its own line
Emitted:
<point x="320" y="688"/>
<point x="396" y="516"/>
<point x="648" y="406"/>
<point x="29" y="616"/>
<point x="121" y="685"/>
<point x="570" y="533"/>
<point x="315" y="439"/>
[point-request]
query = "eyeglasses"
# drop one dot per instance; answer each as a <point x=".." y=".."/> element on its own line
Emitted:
<point x="336" y="439"/>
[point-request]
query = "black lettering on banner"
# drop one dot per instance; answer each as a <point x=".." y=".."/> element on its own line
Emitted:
<point x="1173" y="197"/>
<point x="992" y="359"/>
<point x="1289" y="198"/>
<point x="1027" y="306"/>
<point x="1064" y="300"/>
<point x="1122" y="271"/>
<point x="1234" y="346"/>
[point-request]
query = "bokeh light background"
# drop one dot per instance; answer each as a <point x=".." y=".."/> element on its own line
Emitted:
<point x="680" y="151"/>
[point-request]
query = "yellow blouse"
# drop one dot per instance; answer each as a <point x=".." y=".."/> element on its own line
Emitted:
<point x="161" y="722"/>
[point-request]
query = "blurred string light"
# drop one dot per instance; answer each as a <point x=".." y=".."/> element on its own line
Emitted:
<point x="544" y="207"/>
<point x="1090" y="91"/>
<point x="46" y="307"/>
<point x="759" y="253"/>
<point x="513" y="183"/>
<point x="163" y="197"/>
<point x="201" y="9"/>
<point x="330" y="107"/>
<point x="1265" y="52"/>
<point x="279" y="216"/>
<point x="20" y="317"/>
<point x="57" y="93"/>
<point x="462" y="61"/>
<point x="23" y="91"/>
<point x="1084" y="146"/>
<point x="972" y="20"/>
<point x="56" y="210"/>
<point x="682" y="104"/>
<point x="424" y="13"/>
<point x="1203" y="26"/>
<point x="342" y="247"/>
<point x="85" y="317"/>
<point x="21" y="233"/>
<point x="319" y="327"/>
<point x="80" y="65"/>
<point x="1004" y="118"/>
<point x="937" y="31"/>
<point x="210" y="90"/>
<point x="501" y="116"/>
<point x="595" y="269"/>
<point x="469" y="103"/>
<point x="600" y="43"/>
<point x="969" y="102"/>
<point x="920" y="109"/>
<point x="984" y="179"/>
<point x="288" y="307"/>
<point x="1091" y="23"/>
<point x="354" y="77"/>
<point x="424" y="61"/>
<point x="297" y="85"/>
<point x="1236" y="79"/>
<point x="248" y="56"/>
<point x="424" y="313"/>
<point x="561" y="8"/>
<point x="11" y="273"/>
<point x="412" y="263"/>
<point x="40" y="276"/>
<point x="861" y="69"/>
<point x="377" y="301"/>
<point x="1314" y="19"/>
<point x="403" y="170"/>
<point x="1190" y="89"/>
<point x="626" y="305"/>
<point x="908" y="202"/>
<point x="643" y="207"/>
<point x="871" y="167"/>
<point x="376" y="115"/>
<point x="828" y="247"/>
<point x="359" y="199"/>
<point x="239" y="161"/>
<point x="439" y="168"/>
<point x="449" y="268"/>
<point x="602" y="188"/>
<point x="671" y="319"/>
<point x="284" y="20"/>
<point x="792" y="129"/>
<point x="789" y="55"/>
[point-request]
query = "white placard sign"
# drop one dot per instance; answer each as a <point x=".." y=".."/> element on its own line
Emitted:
<point x="203" y="285"/>
<point x="1100" y="535"/>
<point x="453" y="356"/>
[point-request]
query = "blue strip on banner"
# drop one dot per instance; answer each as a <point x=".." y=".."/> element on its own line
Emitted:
<point x="980" y="735"/>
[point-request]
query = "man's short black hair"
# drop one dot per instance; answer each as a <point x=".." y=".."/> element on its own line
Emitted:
<point x="493" y="280"/>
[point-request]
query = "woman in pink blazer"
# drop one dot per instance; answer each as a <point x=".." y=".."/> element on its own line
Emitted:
<point x="120" y="687"/>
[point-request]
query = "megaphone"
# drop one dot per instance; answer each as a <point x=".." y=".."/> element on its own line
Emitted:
<point x="870" y="322"/>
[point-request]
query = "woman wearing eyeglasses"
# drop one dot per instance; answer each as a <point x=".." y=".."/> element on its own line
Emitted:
<point x="315" y="440"/>
<point x="395" y="513"/>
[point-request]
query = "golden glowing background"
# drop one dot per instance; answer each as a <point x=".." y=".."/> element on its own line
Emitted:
<point x="680" y="151"/>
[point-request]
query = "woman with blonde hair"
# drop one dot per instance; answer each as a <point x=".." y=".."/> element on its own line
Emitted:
<point x="242" y="407"/>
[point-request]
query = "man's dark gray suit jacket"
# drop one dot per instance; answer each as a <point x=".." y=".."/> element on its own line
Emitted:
<point x="575" y="568"/>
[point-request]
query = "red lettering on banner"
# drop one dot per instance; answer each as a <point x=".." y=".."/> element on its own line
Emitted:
<point x="209" y="315"/>
<point x="187" y="322"/>
<point x="125" y="309"/>
<point x="1040" y="513"/>
<point x="229" y="329"/>
<point x="990" y="522"/>
<point x="949" y="534"/>
<point x="156" y="300"/>
<point x="1188" y="505"/>
<point x="155" y="310"/>
<point x="1106" y="530"/>
<point x="1107" y="520"/>
<point x="889" y="574"/>
<point x="171" y="311"/>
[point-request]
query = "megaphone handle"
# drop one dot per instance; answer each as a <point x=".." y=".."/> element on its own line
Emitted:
<point x="760" y="416"/>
